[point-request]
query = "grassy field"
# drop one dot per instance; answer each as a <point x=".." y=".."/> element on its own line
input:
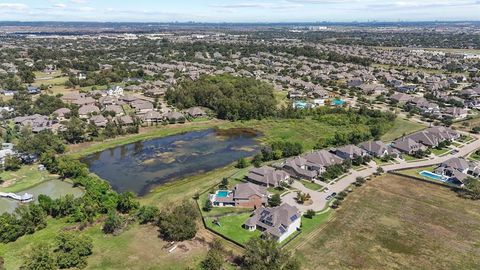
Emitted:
<point x="27" y="177"/>
<point x="400" y="127"/>
<point x="398" y="223"/>
<point x="137" y="248"/>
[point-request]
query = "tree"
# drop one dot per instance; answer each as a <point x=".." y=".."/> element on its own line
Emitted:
<point x="39" y="258"/>
<point x="302" y="197"/>
<point x="380" y="170"/>
<point x="257" y="160"/>
<point x="113" y="223"/>
<point x="224" y="183"/>
<point x="215" y="258"/>
<point x="310" y="213"/>
<point x="179" y="223"/>
<point x="71" y="168"/>
<point x="232" y="98"/>
<point x="127" y="203"/>
<point x="72" y="250"/>
<point x="275" y="200"/>
<point x="74" y="130"/>
<point x="241" y="163"/>
<point x="208" y="206"/>
<point x="12" y="163"/>
<point x="265" y="254"/>
<point x="147" y="214"/>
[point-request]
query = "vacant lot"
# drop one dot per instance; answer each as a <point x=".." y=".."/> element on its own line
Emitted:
<point x="398" y="223"/>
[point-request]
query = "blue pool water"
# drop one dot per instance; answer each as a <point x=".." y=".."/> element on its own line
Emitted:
<point x="222" y="193"/>
<point x="434" y="176"/>
<point x="338" y="102"/>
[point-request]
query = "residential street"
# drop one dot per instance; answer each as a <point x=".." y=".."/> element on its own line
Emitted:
<point x="319" y="201"/>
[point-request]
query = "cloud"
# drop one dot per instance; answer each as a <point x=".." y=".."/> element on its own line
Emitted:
<point x="245" y="5"/>
<point x="13" y="6"/>
<point x="59" y="5"/>
<point x="78" y="1"/>
<point x="421" y="5"/>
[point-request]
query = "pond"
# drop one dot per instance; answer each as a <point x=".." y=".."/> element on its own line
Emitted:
<point x="53" y="188"/>
<point x="139" y="166"/>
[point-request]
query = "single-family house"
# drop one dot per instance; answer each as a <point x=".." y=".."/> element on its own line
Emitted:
<point x="196" y="112"/>
<point x="350" y="152"/>
<point x="277" y="222"/>
<point x="86" y="110"/>
<point x="408" y="146"/>
<point x="62" y="113"/>
<point x="379" y="149"/>
<point x="268" y="176"/>
<point x="246" y="195"/>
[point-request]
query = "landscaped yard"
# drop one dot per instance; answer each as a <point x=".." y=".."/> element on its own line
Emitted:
<point x="28" y="176"/>
<point x="231" y="227"/>
<point x="398" y="223"/>
<point x="416" y="172"/>
<point x="439" y="152"/>
<point x="401" y="127"/>
<point x="310" y="185"/>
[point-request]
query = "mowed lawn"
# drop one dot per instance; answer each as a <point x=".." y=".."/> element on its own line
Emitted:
<point x="26" y="177"/>
<point x="231" y="227"/>
<point x="398" y="223"/>
<point x="400" y="127"/>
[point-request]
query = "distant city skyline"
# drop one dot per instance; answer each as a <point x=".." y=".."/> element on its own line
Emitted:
<point x="239" y="10"/>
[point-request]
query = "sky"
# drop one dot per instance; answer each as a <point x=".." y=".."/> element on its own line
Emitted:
<point x="239" y="10"/>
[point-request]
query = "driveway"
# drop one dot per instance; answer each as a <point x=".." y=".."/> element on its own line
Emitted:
<point x="319" y="201"/>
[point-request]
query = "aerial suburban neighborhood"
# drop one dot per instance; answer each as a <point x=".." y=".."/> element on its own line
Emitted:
<point x="206" y="145"/>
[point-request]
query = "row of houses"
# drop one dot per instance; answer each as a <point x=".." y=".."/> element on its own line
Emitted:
<point x="427" y="107"/>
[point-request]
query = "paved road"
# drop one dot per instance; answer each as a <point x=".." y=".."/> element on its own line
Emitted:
<point x="319" y="201"/>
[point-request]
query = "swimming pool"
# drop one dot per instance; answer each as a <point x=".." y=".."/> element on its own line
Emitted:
<point x="338" y="102"/>
<point x="434" y="176"/>
<point x="222" y="193"/>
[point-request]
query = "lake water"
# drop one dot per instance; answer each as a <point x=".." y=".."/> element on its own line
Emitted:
<point x="139" y="166"/>
<point x="53" y="188"/>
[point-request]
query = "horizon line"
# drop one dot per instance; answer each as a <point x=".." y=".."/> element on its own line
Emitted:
<point x="247" y="22"/>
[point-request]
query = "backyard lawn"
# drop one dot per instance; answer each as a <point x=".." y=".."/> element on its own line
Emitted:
<point x="401" y="127"/>
<point x="231" y="227"/>
<point x="398" y="223"/>
<point x="416" y="172"/>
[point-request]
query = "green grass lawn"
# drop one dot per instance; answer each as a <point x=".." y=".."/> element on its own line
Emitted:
<point x="400" y="127"/>
<point x="408" y="158"/>
<point x="231" y="227"/>
<point x="439" y="152"/>
<point x="27" y="177"/>
<point x="416" y="171"/>
<point x="310" y="185"/>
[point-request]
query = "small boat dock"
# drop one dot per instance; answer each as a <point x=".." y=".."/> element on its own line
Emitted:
<point x="21" y="198"/>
